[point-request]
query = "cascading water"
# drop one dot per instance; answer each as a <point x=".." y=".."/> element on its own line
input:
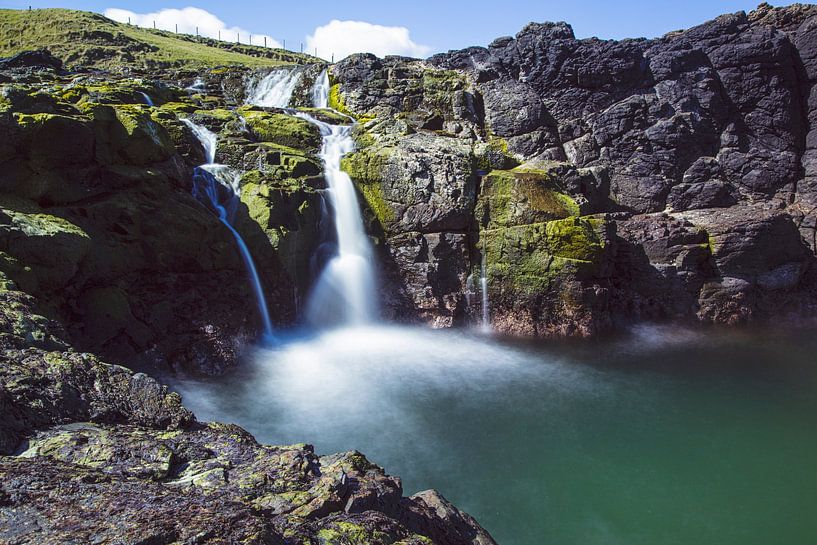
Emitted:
<point x="197" y="86"/>
<point x="320" y="90"/>
<point x="217" y="186"/>
<point x="275" y="89"/>
<point x="208" y="140"/>
<point x="344" y="292"/>
<point x="148" y="100"/>
<point x="483" y="285"/>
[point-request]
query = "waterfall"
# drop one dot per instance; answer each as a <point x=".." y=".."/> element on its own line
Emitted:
<point x="217" y="187"/>
<point x="196" y="87"/>
<point x="320" y="90"/>
<point x="207" y="138"/>
<point x="275" y="89"/>
<point x="147" y="98"/>
<point x="345" y="291"/>
<point x="483" y="284"/>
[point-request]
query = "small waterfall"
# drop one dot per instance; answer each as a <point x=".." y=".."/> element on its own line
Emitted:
<point x="217" y="187"/>
<point x="196" y="87"/>
<point x="483" y="285"/>
<point x="207" y="138"/>
<point x="344" y="292"/>
<point x="320" y="90"/>
<point x="147" y="98"/>
<point x="275" y="89"/>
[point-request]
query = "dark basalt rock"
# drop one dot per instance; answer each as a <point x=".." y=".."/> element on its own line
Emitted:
<point x="41" y="58"/>
<point x="718" y="118"/>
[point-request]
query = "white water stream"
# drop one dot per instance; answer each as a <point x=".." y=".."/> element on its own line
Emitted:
<point x="218" y="186"/>
<point x="275" y="89"/>
<point x="345" y="291"/>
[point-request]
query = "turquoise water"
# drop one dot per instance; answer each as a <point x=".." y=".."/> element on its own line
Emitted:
<point x="662" y="437"/>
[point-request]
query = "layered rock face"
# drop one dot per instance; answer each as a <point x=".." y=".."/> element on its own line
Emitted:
<point x="602" y="181"/>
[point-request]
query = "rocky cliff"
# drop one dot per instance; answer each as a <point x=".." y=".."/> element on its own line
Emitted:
<point x="603" y="181"/>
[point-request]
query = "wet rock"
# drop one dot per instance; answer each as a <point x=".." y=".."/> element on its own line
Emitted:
<point x="261" y="493"/>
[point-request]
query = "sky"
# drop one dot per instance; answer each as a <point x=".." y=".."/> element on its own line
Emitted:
<point x="415" y="27"/>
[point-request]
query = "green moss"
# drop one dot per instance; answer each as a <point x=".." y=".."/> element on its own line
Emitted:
<point x="347" y="533"/>
<point x="373" y="195"/>
<point x="530" y="259"/>
<point x="337" y="102"/>
<point x="514" y="197"/>
<point x="498" y="144"/>
<point x="575" y="238"/>
<point x="146" y="141"/>
<point x="366" y="165"/>
<point x="284" y="130"/>
<point x="179" y="107"/>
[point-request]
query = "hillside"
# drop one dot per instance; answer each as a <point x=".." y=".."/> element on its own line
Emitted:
<point x="83" y="39"/>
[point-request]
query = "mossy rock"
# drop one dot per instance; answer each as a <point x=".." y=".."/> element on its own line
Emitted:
<point x="577" y="239"/>
<point x="283" y="129"/>
<point x="337" y="102"/>
<point x="518" y="197"/>
<point x="179" y="107"/>
<point x="328" y="116"/>
<point x="348" y="533"/>
<point x="53" y="140"/>
<point x="146" y="140"/>
<point x="287" y="166"/>
<point x="50" y="245"/>
<point x="29" y="100"/>
<point x="290" y="217"/>
<point x="531" y="258"/>
<point x="366" y="165"/>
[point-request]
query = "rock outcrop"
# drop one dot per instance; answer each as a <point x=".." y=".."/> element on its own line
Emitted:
<point x="684" y="150"/>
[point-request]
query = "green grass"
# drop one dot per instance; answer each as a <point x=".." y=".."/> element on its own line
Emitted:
<point x="88" y="39"/>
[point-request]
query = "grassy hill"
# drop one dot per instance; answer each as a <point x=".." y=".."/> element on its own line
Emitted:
<point x="88" y="39"/>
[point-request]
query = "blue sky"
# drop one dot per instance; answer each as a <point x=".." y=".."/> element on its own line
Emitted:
<point x="436" y="25"/>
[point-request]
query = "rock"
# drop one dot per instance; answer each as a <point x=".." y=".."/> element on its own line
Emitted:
<point x="179" y="477"/>
<point x="284" y="130"/>
<point x="40" y="59"/>
<point x="549" y="279"/>
<point x="39" y="388"/>
<point x="456" y="526"/>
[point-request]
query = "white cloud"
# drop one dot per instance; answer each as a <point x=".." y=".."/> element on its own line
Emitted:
<point x="188" y="19"/>
<point x="343" y="38"/>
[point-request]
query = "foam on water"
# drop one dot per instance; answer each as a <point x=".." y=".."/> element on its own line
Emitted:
<point x="275" y="89"/>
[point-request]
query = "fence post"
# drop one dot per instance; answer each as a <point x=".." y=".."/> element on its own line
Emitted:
<point x="154" y="25"/>
<point x="197" y="32"/>
<point x="177" y="28"/>
<point x="265" y="41"/>
<point x="285" y="44"/>
<point x="302" y="47"/>
<point x="238" y="38"/>
<point x="219" y="35"/>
